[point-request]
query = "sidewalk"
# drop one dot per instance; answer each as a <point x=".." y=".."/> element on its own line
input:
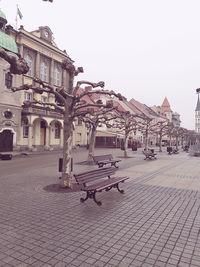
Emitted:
<point x="155" y="223"/>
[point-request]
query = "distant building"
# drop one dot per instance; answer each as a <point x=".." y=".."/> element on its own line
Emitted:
<point x="197" y="116"/>
<point x="173" y="117"/>
<point x="166" y="109"/>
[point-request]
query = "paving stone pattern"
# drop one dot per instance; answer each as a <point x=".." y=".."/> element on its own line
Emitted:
<point x="149" y="225"/>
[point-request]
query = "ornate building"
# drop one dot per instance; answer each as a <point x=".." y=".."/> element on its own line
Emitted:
<point x="41" y="126"/>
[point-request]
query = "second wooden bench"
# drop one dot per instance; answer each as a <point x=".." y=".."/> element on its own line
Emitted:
<point x="105" y="159"/>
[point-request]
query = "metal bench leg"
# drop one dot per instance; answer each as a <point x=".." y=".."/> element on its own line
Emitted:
<point x="87" y="196"/>
<point x="120" y="190"/>
<point x="96" y="201"/>
<point x="115" y="165"/>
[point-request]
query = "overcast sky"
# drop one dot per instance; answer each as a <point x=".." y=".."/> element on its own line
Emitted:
<point x="143" y="49"/>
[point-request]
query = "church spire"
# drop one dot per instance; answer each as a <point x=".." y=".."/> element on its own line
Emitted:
<point x="198" y="104"/>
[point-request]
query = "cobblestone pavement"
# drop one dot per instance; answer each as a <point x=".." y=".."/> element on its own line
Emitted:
<point x="155" y="223"/>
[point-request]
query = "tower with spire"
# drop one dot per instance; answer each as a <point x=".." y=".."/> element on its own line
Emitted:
<point x="166" y="109"/>
<point x="197" y="116"/>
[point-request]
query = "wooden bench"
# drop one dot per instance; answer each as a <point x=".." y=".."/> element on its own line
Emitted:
<point x="149" y="154"/>
<point x="105" y="159"/>
<point x="97" y="180"/>
<point x="172" y="150"/>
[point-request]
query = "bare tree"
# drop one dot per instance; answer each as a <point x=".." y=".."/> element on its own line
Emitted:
<point x="124" y="123"/>
<point x="96" y="118"/>
<point x="71" y="105"/>
<point x="17" y="64"/>
<point x="161" y="130"/>
<point x="170" y="132"/>
<point x="147" y="126"/>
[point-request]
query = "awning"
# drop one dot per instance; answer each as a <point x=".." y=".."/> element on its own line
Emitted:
<point x="109" y="134"/>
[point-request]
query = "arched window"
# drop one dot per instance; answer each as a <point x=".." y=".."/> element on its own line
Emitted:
<point x="28" y="59"/>
<point x="57" y="76"/>
<point x="43" y="71"/>
<point x="57" y="130"/>
<point x="8" y="80"/>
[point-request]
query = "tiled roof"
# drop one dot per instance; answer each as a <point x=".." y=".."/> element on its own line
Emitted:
<point x="166" y="106"/>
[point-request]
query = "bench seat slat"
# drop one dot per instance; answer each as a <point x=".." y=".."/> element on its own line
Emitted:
<point x="105" y="184"/>
<point x="108" y="161"/>
<point x="103" y="157"/>
<point x="94" y="175"/>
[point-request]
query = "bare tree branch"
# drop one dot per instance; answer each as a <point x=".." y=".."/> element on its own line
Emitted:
<point x="17" y="65"/>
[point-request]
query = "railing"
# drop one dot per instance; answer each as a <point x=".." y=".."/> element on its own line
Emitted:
<point x="40" y="111"/>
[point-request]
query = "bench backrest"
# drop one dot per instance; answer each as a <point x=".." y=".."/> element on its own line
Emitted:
<point x="147" y="152"/>
<point x="91" y="176"/>
<point x="102" y="157"/>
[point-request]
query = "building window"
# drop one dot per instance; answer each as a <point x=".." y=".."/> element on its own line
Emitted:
<point x="79" y="122"/>
<point x="43" y="71"/>
<point x="8" y="80"/>
<point x="57" y="76"/>
<point x="57" y="130"/>
<point x="8" y="114"/>
<point x="29" y="62"/>
<point x="25" y="127"/>
<point x="43" y="100"/>
<point x="27" y="96"/>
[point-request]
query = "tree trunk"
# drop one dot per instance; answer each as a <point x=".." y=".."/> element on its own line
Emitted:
<point x="146" y="140"/>
<point x="160" y="142"/>
<point x="125" y="145"/>
<point x="92" y="143"/>
<point x="66" y="178"/>
<point x="177" y="142"/>
<point x="170" y="140"/>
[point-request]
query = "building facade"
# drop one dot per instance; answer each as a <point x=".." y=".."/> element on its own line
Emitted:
<point x="42" y="127"/>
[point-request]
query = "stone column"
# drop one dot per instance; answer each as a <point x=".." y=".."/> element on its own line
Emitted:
<point x="47" y="145"/>
<point x="52" y="72"/>
<point x="30" y="134"/>
<point x="37" y="65"/>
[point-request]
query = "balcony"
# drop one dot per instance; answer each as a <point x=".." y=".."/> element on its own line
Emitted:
<point x="36" y="110"/>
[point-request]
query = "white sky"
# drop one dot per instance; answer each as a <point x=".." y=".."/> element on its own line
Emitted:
<point x="143" y="49"/>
